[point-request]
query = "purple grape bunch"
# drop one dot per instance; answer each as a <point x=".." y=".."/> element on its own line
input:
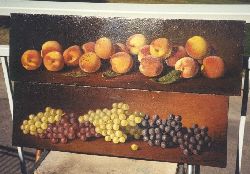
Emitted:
<point x="170" y="132"/>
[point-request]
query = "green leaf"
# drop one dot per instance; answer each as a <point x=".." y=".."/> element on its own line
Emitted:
<point x="76" y="74"/>
<point x="169" y="78"/>
<point x="110" y="74"/>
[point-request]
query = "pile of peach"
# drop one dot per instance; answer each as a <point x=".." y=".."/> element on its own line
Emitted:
<point x="152" y="57"/>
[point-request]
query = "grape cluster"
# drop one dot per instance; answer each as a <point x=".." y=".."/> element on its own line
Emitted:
<point x="115" y="124"/>
<point x="68" y="128"/>
<point x="195" y="140"/>
<point x="37" y="124"/>
<point x="161" y="132"/>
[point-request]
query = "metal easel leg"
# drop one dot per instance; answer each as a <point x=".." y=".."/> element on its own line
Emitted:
<point x="246" y="64"/>
<point x="22" y="161"/>
<point x="180" y="169"/>
<point x="190" y="169"/>
<point x="9" y="92"/>
<point x="193" y="169"/>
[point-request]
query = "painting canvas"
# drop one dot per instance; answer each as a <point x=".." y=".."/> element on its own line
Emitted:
<point x="212" y="52"/>
<point x="141" y="88"/>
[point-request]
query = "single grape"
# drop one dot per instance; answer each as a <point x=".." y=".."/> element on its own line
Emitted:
<point x="114" y="105"/>
<point x="115" y="140"/>
<point x="122" y="139"/>
<point x="138" y="120"/>
<point x="124" y="123"/>
<point x="116" y="127"/>
<point x="44" y="126"/>
<point x="137" y="136"/>
<point x="32" y="128"/>
<point x="125" y="107"/>
<point x="31" y="122"/>
<point x="38" y="124"/>
<point x="119" y="105"/>
<point x="118" y="133"/>
<point x="107" y="138"/>
<point x="25" y="131"/>
<point x="134" y="147"/>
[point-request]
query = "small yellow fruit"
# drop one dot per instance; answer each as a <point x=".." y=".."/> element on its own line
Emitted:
<point x="134" y="147"/>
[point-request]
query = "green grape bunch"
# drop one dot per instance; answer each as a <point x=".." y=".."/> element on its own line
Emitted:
<point x="115" y="124"/>
<point x="37" y="124"/>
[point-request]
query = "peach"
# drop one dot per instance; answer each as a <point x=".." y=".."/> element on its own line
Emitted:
<point x="50" y="46"/>
<point x="104" y="48"/>
<point x="143" y="52"/>
<point x="120" y="47"/>
<point x="213" y="67"/>
<point x="177" y="53"/>
<point x="196" y="47"/>
<point x="88" y="47"/>
<point x="121" y="62"/>
<point x="188" y="67"/>
<point x="160" y="48"/>
<point x="71" y="55"/>
<point x="151" y="66"/>
<point x="90" y="62"/>
<point x="135" y="42"/>
<point x="31" y="60"/>
<point x="53" y="61"/>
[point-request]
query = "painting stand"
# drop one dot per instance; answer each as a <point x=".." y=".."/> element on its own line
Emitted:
<point x="246" y="67"/>
<point x="192" y="169"/>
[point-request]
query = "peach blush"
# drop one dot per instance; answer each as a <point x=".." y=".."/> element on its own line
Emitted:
<point x="50" y="46"/>
<point x="121" y="62"/>
<point x="88" y="47"/>
<point x="177" y="53"/>
<point x="120" y="47"/>
<point x="160" y="48"/>
<point x="71" y="55"/>
<point x="196" y="47"/>
<point x="31" y="60"/>
<point x="89" y="62"/>
<point x="143" y="52"/>
<point x="213" y="67"/>
<point x="188" y="66"/>
<point x="53" y="61"/>
<point x="104" y="48"/>
<point x="151" y="66"/>
<point x="135" y="42"/>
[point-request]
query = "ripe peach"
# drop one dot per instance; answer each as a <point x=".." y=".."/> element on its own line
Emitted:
<point x="120" y="47"/>
<point x="53" y="61"/>
<point x="50" y="46"/>
<point x="88" y="47"/>
<point x="135" y="42"/>
<point x="196" y="47"/>
<point x="90" y="62"/>
<point x="160" y="48"/>
<point x="177" y="53"/>
<point x="213" y="67"/>
<point x="143" y="52"/>
<point x="121" y="62"/>
<point x="104" y="48"/>
<point x="71" y="55"/>
<point x="188" y="66"/>
<point x="151" y="66"/>
<point x="31" y="60"/>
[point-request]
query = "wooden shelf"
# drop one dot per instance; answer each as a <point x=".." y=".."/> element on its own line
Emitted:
<point x="215" y="157"/>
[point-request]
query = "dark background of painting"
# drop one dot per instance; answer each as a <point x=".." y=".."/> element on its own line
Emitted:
<point x="208" y="110"/>
<point x="31" y="31"/>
